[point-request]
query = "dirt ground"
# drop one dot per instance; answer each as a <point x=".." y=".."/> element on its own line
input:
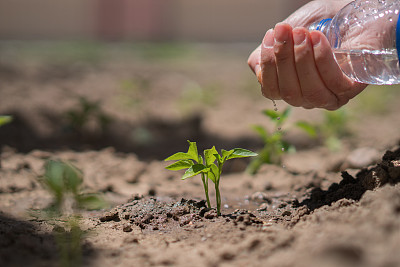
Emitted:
<point x="318" y="208"/>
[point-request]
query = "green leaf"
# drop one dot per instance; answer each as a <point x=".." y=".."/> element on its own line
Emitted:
<point x="61" y="177"/>
<point x="53" y="177"/>
<point x="272" y="114"/>
<point x="310" y="129"/>
<point x="209" y="155"/>
<point x="179" y="156"/>
<point x="286" y="113"/>
<point x="90" y="202"/>
<point x="262" y="132"/>
<point x="241" y="153"/>
<point x="218" y="157"/>
<point x="192" y="151"/>
<point x="73" y="177"/>
<point x="5" y="120"/>
<point x="226" y="154"/>
<point x="213" y="174"/>
<point x="194" y="170"/>
<point x="180" y="165"/>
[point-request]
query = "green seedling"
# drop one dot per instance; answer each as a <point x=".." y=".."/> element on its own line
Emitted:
<point x="64" y="183"/>
<point x="195" y="97"/>
<point x="274" y="144"/>
<point x="209" y="166"/>
<point x="335" y="125"/>
<point x="5" y="119"/>
<point x="85" y="112"/>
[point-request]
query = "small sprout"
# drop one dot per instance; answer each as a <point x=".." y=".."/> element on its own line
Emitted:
<point x="331" y="130"/>
<point x="87" y="111"/>
<point x="64" y="182"/>
<point x="274" y="144"/>
<point x="5" y="119"/>
<point x="209" y="166"/>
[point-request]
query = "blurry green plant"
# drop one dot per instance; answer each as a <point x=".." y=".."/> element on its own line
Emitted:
<point x="209" y="167"/>
<point x="64" y="182"/>
<point x="376" y="100"/>
<point x="87" y="111"/>
<point x="132" y="93"/>
<point x="194" y="97"/>
<point x="4" y="119"/>
<point x="274" y="144"/>
<point x="335" y="125"/>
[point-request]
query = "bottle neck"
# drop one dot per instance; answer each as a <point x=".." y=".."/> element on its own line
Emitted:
<point x="322" y="26"/>
<point x="398" y="37"/>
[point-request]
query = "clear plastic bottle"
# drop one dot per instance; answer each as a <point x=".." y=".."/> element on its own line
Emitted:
<point x="365" y="39"/>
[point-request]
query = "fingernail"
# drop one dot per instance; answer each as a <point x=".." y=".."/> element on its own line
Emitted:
<point x="257" y="70"/>
<point x="268" y="41"/>
<point x="299" y="36"/>
<point x="281" y="33"/>
<point x="315" y="38"/>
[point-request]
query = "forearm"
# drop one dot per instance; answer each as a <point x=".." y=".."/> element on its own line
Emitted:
<point x="321" y="9"/>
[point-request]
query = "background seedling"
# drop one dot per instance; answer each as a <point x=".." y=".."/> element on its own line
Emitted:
<point x="334" y="126"/>
<point x="274" y="144"/>
<point x="64" y="181"/>
<point x="86" y="112"/>
<point x="209" y="166"/>
<point x="4" y="120"/>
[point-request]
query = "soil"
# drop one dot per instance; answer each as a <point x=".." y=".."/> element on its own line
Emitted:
<point x="318" y="208"/>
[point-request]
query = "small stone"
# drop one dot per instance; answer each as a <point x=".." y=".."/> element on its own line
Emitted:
<point x="110" y="216"/>
<point x="375" y="178"/>
<point x="362" y="157"/>
<point x="259" y="196"/>
<point x="286" y="213"/>
<point x="127" y="228"/>
<point x="263" y="207"/>
<point x="211" y="214"/>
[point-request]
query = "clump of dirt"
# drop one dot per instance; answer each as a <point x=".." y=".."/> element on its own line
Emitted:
<point x="386" y="172"/>
<point x="151" y="214"/>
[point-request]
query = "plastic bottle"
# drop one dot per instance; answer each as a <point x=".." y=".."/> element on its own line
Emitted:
<point x="365" y="39"/>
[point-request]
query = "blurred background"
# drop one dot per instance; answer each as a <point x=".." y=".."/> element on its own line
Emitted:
<point x="144" y="76"/>
<point x="142" y="20"/>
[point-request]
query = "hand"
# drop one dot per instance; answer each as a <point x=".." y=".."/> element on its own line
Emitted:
<point x="298" y="66"/>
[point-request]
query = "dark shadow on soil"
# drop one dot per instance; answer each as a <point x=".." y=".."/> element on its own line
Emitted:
<point x="22" y="244"/>
<point x="152" y="140"/>
<point x="386" y="172"/>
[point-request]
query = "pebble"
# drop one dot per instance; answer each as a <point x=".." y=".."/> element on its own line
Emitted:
<point x="127" y="228"/>
<point x="362" y="157"/>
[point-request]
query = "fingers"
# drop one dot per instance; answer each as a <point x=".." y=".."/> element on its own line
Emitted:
<point x="314" y="91"/>
<point x="299" y="67"/>
<point x="342" y="86"/>
<point x="289" y="86"/>
<point x="254" y="59"/>
<point x="269" y="77"/>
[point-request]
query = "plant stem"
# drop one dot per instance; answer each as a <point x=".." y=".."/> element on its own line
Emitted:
<point x="205" y="184"/>
<point x="217" y="193"/>
<point x="218" y="199"/>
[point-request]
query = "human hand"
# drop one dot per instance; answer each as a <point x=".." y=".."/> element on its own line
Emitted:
<point x="298" y="66"/>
